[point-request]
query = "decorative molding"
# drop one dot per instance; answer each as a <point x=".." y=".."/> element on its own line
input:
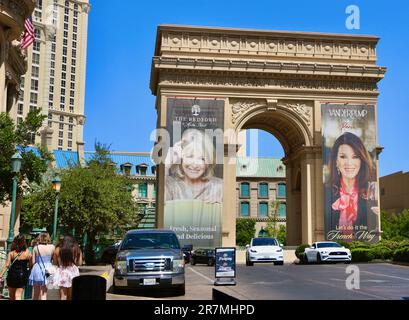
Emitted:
<point x="240" y="108"/>
<point x="274" y="44"/>
<point x="315" y="69"/>
<point x="268" y="83"/>
<point x="304" y="111"/>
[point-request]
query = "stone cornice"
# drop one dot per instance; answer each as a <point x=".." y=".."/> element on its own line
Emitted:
<point x="269" y="67"/>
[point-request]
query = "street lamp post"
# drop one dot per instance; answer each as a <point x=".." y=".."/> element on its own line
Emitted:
<point x="16" y="167"/>
<point x="57" y="188"/>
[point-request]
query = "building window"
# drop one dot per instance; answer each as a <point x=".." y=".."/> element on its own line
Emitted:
<point x="263" y="209"/>
<point x="36" y="58"/>
<point x="60" y="143"/>
<point x="39" y="4"/>
<point x="61" y="126"/>
<point x="61" y="118"/>
<point x="36" y="46"/>
<point x="245" y="209"/>
<point x="282" y="210"/>
<point x="37" y="33"/>
<point x="263" y="190"/>
<point x="33" y="98"/>
<point x="34" y="85"/>
<point x="245" y="190"/>
<point x="281" y="190"/>
<point x="70" y="135"/>
<point x="69" y="144"/>
<point x="35" y="71"/>
<point x="143" y="190"/>
<point x="61" y="134"/>
<point x="20" y="109"/>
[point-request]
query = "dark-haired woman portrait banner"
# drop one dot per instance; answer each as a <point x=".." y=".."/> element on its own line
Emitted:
<point x="351" y="205"/>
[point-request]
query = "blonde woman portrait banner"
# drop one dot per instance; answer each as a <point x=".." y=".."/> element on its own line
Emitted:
<point x="194" y="171"/>
<point x="351" y="205"/>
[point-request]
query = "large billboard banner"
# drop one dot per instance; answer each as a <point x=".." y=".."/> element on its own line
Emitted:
<point x="351" y="205"/>
<point x="194" y="171"/>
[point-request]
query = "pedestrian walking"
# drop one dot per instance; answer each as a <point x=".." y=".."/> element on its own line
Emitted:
<point x="42" y="266"/>
<point x="18" y="266"/>
<point x="68" y="256"/>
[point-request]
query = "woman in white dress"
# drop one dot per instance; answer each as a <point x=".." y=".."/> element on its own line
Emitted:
<point x="41" y="259"/>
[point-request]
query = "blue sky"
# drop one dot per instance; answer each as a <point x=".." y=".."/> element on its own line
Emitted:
<point x="119" y="106"/>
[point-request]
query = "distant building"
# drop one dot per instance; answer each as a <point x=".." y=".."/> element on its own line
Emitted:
<point x="394" y="191"/>
<point x="260" y="183"/>
<point x="55" y="79"/>
<point x="137" y="166"/>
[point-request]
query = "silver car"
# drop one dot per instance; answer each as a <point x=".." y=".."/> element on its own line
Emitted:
<point x="150" y="259"/>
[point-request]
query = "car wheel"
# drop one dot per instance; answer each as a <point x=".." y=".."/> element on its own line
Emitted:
<point x="192" y="261"/>
<point x="279" y="263"/>
<point x="306" y="259"/>
<point x="249" y="263"/>
<point x="210" y="262"/>
<point x="347" y="262"/>
<point x="319" y="258"/>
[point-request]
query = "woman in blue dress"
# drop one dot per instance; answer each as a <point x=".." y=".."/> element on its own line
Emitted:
<point x="41" y="259"/>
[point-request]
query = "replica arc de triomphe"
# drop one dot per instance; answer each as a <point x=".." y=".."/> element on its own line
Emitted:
<point x="271" y="80"/>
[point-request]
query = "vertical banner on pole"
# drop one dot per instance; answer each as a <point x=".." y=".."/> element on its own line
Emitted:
<point x="351" y="205"/>
<point x="194" y="171"/>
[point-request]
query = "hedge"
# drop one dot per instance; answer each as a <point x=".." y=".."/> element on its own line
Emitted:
<point x="299" y="252"/>
<point x="362" y="255"/>
<point x="401" y="254"/>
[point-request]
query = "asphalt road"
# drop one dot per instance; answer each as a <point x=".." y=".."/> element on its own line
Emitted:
<point x="295" y="282"/>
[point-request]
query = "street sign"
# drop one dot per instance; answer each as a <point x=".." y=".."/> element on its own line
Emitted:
<point x="225" y="267"/>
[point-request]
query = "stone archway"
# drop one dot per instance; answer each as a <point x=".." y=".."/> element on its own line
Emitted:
<point x="271" y="80"/>
<point x="290" y="122"/>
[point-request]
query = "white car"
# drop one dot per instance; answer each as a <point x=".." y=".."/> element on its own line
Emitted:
<point x="264" y="250"/>
<point x="327" y="251"/>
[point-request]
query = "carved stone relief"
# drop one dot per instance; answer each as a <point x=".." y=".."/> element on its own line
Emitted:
<point x="304" y="111"/>
<point x="240" y="108"/>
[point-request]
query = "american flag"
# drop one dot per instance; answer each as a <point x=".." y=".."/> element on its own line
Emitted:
<point x="29" y="36"/>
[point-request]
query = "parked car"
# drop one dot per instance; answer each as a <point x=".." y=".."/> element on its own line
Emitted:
<point x="327" y="251"/>
<point x="187" y="252"/>
<point x="202" y="255"/>
<point x="150" y="259"/>
<point x="109" y="253"/>
<point x="264" y="250"/>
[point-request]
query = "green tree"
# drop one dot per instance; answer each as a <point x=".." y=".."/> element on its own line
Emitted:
<point x="282" y="235"/>
<point x="94" y="200"/>
<point x="245" y="231"/>
<point x="395" y="226"/>
<point x="272" y="228"/>
<point x="34" y="163"/>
